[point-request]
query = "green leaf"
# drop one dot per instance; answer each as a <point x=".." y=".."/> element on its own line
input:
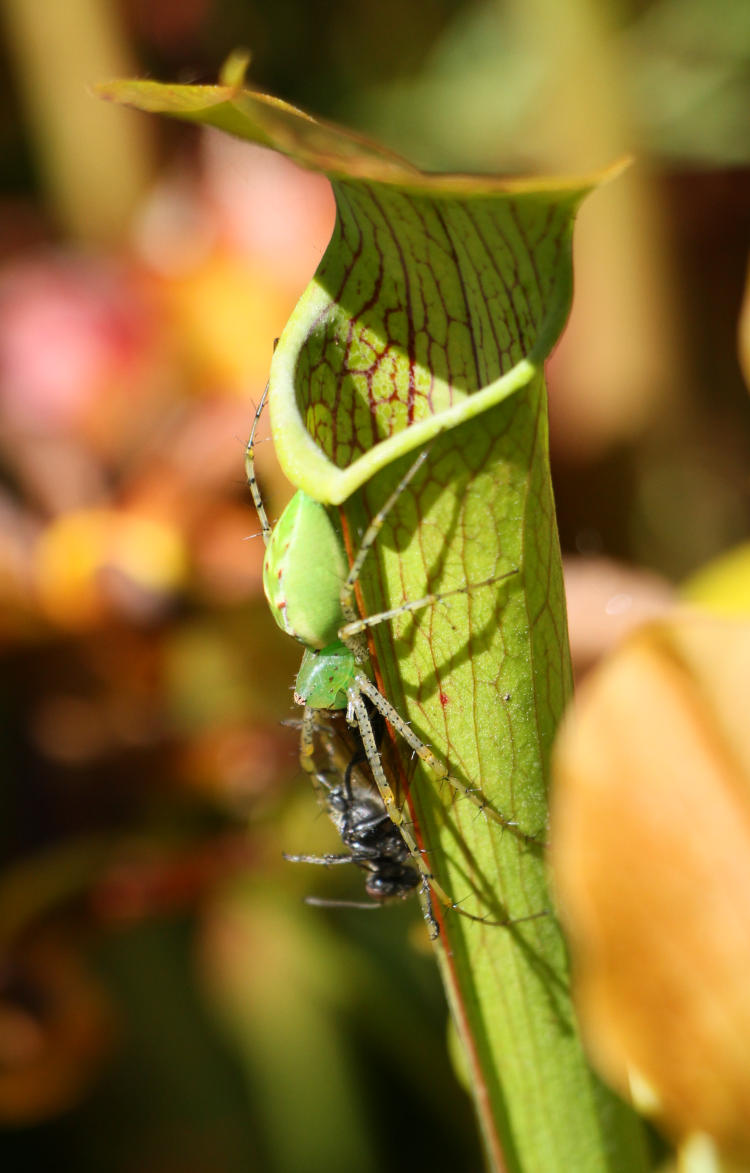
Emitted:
<point x="429" y="318"/>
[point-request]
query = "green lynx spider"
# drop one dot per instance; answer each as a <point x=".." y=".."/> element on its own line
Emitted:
<point x="310" y="590"/>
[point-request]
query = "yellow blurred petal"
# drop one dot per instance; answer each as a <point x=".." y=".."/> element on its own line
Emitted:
<point x="651" y="854"/>
<point x="76" y="548"/>
<point x="228" y="313"/>
<point x="723" y="586"/>
<point x="149" y="551"/>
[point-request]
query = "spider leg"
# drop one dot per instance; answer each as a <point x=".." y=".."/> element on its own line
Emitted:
<point x="250" y="472"/>
<point x="428" y="886"/>
<point x="356" y="626"/>
<point x="371" y="535"/>
<point x="393" y="810"/>
<point x="424" y="752"/>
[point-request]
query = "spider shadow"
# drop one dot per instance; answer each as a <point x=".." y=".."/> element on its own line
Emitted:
<point x="553" y="986"/>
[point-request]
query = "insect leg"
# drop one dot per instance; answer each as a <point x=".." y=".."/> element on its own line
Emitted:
<point x="324" y="860"/>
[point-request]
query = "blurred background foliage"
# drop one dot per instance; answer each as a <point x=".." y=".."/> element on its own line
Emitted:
<point x="166" y="1001"/>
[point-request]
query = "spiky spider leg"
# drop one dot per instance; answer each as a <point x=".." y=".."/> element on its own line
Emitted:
<point x="428" y="883"/>
<point x="439" y="768"/>
<point x="355" y="626"/>
<point x="394" y="812"/>
<point x="250" y="471"/>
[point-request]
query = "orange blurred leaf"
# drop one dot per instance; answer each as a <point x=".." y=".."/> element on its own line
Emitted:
<point x="651" y="853"/>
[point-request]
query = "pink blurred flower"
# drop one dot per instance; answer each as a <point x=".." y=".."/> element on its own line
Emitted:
<point x="70" y="326"/>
